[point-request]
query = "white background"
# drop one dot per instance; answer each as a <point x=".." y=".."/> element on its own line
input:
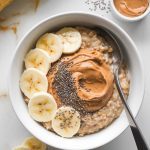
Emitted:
<point x="12" y="131"/>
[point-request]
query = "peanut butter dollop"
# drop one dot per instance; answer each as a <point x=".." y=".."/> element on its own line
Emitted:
<point x="131" y="8"/>
<point x="92" y="78"/>
<point x="90" y="83"/>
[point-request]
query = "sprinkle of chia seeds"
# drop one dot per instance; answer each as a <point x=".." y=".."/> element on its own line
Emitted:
<point x="102" y="5"/>
<point x="64" y="85"/>
<point x="66" y="117"/>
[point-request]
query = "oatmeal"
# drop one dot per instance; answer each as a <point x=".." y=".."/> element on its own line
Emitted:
<point x="92" y="88"/>
<point x="69" y="83"/>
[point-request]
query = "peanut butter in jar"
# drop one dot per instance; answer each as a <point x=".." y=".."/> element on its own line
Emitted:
<point x="131" y="8"/>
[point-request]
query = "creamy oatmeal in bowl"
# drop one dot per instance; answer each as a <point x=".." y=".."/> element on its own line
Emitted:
<point x="68" y="83"/>
<point x="65" y="82"/>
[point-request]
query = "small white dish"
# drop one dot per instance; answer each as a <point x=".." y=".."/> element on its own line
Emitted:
<point x="131" y="55"/>
<point x="120" y="16"/>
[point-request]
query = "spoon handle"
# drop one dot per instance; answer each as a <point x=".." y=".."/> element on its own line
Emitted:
<point x="137" y="134"/>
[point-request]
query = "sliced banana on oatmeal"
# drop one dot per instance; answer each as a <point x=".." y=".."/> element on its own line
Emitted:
<point x="66" y="122"/>
<point x="71" y="39"/>
<point x="52" y="44"/>
<point x="34" y="144"/>
<point x="42" y="107"/>
<point x="38" y="59"/>
<point x="33" y="81"/>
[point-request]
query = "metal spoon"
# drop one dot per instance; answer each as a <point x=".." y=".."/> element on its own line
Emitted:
<point x="117" y="63"/>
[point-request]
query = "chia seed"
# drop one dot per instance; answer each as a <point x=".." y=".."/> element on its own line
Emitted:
<point x="95" y="5"/>
<point x="64" y="85"/>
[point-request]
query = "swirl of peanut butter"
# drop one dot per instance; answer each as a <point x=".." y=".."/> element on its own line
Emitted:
<point x="92" y="78"/>
<point x="131" y="8"/>
<point x="85" y="80"/>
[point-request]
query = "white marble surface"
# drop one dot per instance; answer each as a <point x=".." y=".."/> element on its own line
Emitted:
<point x="12" y="131"/>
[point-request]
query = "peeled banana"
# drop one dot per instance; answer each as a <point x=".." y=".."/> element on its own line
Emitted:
<point x="33" y="81"/>
<point x="66" y="122"/>
<point x="71" y="39"/>
<point x="38" y="59"/>
<point x="52" y="44"/>
<point x="31" y="143"/>
<point x="42" y="107"/>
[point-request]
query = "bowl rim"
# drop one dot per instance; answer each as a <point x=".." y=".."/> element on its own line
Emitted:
<point x="126" y="18"/>
<point x="91" y="15"/>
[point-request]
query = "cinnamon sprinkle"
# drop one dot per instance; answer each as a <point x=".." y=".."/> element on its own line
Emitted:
<point x="2" y="19"/>
<point x="12" y="27"/>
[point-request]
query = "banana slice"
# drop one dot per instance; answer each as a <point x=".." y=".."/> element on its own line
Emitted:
<point x="33" y="81"/>
<point x="71" y="39"/>
<point x="38" y="59"/>
<point x="66" y="122"/>
<point x="52" y="44"/>
<point x="34" y="144"/>
<point x="42" y="107"/>
<point x="21" y="148"/>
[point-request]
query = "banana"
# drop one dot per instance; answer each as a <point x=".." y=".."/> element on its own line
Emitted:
<point x="71" y="39"/>
<point x="33" y="81"/>
<point x="21" y="148"/>
<point x="66" y="122"/>
<point x="34" y="144"/>
<point x="38" y="59"/>
<point x="52" y="44"/>
<point x="42" y="107"/>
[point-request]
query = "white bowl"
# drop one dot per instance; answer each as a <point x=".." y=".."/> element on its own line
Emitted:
<point x="125" y="18"/>
<point x="136" y="90"/>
